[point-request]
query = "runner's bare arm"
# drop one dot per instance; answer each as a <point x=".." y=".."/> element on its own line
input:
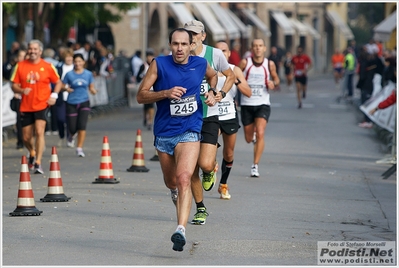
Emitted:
<point x="212" y="80"/>
<point x="53" y="97"/>
<point x="241" y="83"/>
<point x="242" y="64"/>
<point x="230" y="78"/>
<point x="275" y="81"/>
<point x="211" y="76"/>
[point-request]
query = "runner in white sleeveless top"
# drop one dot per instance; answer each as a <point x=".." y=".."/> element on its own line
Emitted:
<point x="228" y="119"/>
<point x="261" y="76"/>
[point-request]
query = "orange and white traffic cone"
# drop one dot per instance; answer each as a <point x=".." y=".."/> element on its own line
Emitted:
<point x="106" y="172"/>
<point x="155" y="157"/>
<point x="26" y="202"/>
<point x="138" y="164"/>
<point x="55" y="192"/>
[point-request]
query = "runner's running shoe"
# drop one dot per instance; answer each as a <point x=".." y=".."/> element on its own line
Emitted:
<point x="224" y="191"/>
<point x="200" y="216"/>
<point x="209" y="179"/>
<point x="31" y="163"/>
<point x="254" y="171"/>
<point x="179" y="240"/>
<point x="38" y="169"/>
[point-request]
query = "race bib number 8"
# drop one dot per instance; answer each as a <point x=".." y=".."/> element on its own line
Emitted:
<point x="183" y="107"/>
<point x="204" y="87"/>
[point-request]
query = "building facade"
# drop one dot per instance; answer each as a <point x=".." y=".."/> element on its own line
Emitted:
<point x="318" y="27"/>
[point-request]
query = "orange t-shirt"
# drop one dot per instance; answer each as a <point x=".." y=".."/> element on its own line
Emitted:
<point x="37" y="77"/>
<point x="338" y="60"/>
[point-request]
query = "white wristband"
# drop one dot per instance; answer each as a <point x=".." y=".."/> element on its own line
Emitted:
<point x="54" y="95"/>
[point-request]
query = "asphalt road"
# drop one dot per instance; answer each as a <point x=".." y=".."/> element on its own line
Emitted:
<point x="319" y="182"/>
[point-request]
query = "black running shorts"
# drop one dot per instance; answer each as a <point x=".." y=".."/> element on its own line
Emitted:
<point x="249" y="113"/>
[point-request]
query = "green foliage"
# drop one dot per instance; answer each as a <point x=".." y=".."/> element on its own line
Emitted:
<point x="88" y="14"/>
<point x="9" y="8"/>
<point x="373" y="12"/>
<point x="362" y="35"/>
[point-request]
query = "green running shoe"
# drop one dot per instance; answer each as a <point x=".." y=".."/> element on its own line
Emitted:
<point x="200" y="216"/>
<point x="209" y="179"/>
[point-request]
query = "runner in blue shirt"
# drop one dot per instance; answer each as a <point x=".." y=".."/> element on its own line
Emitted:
<point x="176" y="80"/>
<point x="78" y="82"/>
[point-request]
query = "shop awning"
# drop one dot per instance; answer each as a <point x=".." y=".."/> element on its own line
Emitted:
<point x="336" y="20"/>
<point x="299" y="26"/>
<point x="256" y="21"/>
<point x="384" y="29"/>
<point x="180" y="12"/>
<point x="245" y="33"/>
<point x="313" y="32"/>
<point x="204" y="13"/>
<point x="283" y="22"/>
<point x="225" y="20"/>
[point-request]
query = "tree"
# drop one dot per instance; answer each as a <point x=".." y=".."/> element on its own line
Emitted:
<point x="86" y="14"/>
<point x="8" y="9"/>
<point x="60" y="17"/>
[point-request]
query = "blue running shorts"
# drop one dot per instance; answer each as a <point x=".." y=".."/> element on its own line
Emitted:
<point x="168" y="144"/>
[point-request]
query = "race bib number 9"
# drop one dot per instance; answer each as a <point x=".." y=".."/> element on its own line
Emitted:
<point x="183" y="107"/>
<point x="225" y="107"/>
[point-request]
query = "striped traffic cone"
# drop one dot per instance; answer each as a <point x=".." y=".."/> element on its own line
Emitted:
<point x="138" y="156"/>
<point x="106" y="172"/>
<point x="155" y="157"/>
<point x="55" y="192"/>
<point x="26" y="202"/>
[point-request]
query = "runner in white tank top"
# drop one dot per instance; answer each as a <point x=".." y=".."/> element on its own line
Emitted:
<point x="255" y="111"/>
<point x="257" y="76"/>
<point x="228" y="120"/>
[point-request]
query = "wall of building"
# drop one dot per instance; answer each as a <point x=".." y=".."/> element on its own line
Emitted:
<point x="127" y="33"/>
<point x="151" y="20"/>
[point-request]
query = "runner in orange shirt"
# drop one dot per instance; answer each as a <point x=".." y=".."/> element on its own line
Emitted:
<point x="337" y="60"/>
<point x="31" y="78"/>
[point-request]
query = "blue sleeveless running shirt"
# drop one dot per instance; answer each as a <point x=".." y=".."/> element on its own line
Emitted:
<point x="176" y="117"/>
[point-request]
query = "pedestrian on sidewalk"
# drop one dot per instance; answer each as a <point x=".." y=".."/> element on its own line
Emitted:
<point x="288" y="70"/>
<point x="228" y="119"/>
<point x="31" y="78"/>
<point x="369" y="65"/>
<point x="176" y="81"/>
<point x="65" y="65"/>
<point x="148" y="108"/>
<point x="77" y="83"/>
<point x="349" y="71"/>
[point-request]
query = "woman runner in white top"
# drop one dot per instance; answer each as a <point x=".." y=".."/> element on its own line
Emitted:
<point x="228" y="119"/>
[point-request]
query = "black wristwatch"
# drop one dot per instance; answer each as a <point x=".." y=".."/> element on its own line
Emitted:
<point x="213" y="90"/>
<point x="223" y="94"/>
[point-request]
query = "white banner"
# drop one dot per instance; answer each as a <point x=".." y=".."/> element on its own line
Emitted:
<point x="101" y="98"/>
<point x="384" y="118"/>
<point x="9" y="117"/>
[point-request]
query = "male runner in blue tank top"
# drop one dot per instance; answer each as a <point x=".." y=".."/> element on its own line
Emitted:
<point x="210" y="128"/>
<point x="176" y="80"/>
